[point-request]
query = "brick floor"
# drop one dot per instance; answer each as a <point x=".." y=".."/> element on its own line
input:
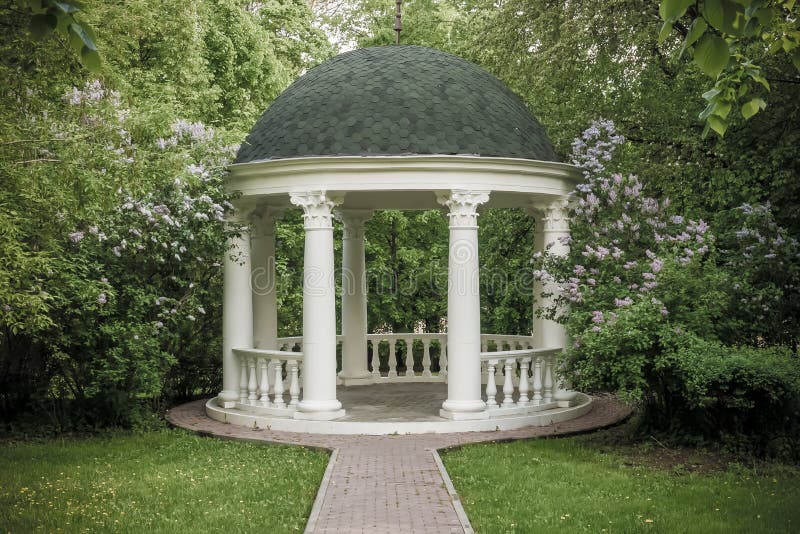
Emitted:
<point x="389" y="484"/>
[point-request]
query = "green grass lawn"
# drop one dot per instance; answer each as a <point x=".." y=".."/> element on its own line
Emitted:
<point x="165" y="481"/>
<point x="571" y="485"/>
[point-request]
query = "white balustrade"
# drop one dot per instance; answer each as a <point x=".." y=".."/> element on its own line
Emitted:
<point x="264" y="383"/>
<point x="426" y="358"/>
<point x="491" y="385"/>
<point x="376" y="359"/>
<point x="524" y="381"/>
<point x="256" y="385"/>
<point x="525" y="376"/>
<point x="392" y="358"/>
<point x="409" y="360"/>
<point x="515" y="377"/>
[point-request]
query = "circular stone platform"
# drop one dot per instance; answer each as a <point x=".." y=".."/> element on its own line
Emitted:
<point x="384" y="409"/>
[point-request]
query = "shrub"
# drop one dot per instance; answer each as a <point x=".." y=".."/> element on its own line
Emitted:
<point x="745" y="397"/>
<point x="641" y="280"/>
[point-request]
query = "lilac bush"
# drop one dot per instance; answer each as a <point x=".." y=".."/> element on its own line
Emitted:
<point x="138" y="293"/>
<point x="653" y="300"/>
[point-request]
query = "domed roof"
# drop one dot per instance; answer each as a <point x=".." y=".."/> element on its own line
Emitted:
<point x="396" y="100"/>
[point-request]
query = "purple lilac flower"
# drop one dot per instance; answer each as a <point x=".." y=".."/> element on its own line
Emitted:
<point x="102" y="298"/>
<point x="621" y="303"/>
<point x="656" y="265"/>
<point x="76" y="237"/>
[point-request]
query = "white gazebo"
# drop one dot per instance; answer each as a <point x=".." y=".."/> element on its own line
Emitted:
<point x="398" y="127"/>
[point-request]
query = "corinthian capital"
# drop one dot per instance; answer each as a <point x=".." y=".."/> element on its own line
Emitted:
<point x="554" y="215"/>
<point x="463" y="205"/>
<point x="263" y="221"/>
<point x="353" y="222"/>
<point x="317" y="208"/>
<point x="241" y="212"/>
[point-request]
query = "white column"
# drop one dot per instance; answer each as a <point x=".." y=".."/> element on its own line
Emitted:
<point x="354" y="299"/>
<point x="463" y="307"/>
<point x="552" y="233"/>
<point x="265" y="310"/>
<point x="237" y="307"/>
<point x="319" y="309"/>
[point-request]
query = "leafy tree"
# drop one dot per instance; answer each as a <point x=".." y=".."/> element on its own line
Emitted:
<point x="729" y="40"/>
<point x="62" y="17"/>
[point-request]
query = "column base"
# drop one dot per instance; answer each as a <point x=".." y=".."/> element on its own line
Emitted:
<point x="227" y="399"/>
<point x="353" y="381"/>
<point x="318" y="416"/>
<point x="463" y="416"/>
<point x="564" y="398"/>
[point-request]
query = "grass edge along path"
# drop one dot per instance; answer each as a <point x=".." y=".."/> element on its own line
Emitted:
<point x="566" y="485"/>
<point x="163" y="481"/>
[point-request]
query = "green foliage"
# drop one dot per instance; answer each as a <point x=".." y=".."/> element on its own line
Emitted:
<point x="640" y="277"/>
<point x="745" y="31"/>
<point x="112" y="199"/>
<point x="51" y="16"/>
<point x="748" y="398"/>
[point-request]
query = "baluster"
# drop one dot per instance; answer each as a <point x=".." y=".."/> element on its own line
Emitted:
<point x="270" y="375"/>
<point x="548" y="379"/>
<point x="537" y="380"/>
<point x="523" y="381"/>
<point x="294" y="383"/>
<point x="376" y="359"/>
<point x="279" y="403"/>
<point x="392" y="358"/>
<point x="264" y="385"/>
<point x="491" y="386"/>
<point x="243" y="382"/>
<point x="426" y="357"/>
<point x="410" y="358"/>
<point x="252" y="383"/>
<point x="508" y="384"/>
<point x="443" y="359"/>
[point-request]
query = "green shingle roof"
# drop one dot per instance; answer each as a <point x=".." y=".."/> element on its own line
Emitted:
<point x="396" y="100"/>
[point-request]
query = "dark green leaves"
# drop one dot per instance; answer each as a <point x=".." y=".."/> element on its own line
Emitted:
<point x="725" y="15"/>
<point x="673" y="9"/>
<point x="50" y="15"/>
<point x="712" y="55"/>
<point x="42" y="24"/>
<point x="670" y="11"/>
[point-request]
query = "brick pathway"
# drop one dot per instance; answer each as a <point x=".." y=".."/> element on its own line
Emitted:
<point x="389" y="484"/>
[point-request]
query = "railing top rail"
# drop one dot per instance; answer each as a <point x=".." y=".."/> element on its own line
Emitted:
<point x="502" y="354"/>
<point x="282" y="354"/>
<point x="403" y="335"/>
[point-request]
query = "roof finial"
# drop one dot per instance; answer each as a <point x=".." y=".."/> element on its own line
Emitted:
<point x="398" y="23"/>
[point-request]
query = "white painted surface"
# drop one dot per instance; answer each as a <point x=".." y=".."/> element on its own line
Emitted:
<point x="558" y="415"/>
<point x="354" y="298"/>
<point x="319" y="308"/>
<point x="237" y="310"/>
<point x="463" y="306"/>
